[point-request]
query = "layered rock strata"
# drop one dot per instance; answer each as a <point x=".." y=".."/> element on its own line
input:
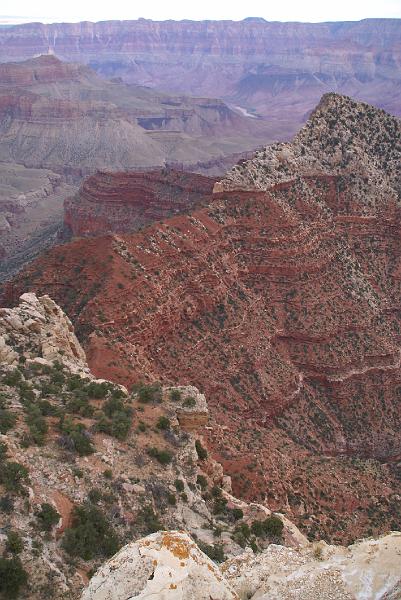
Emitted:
<point x="280" y="300"/>
<point x="124" y="202"/>
<point x="279" y="70"/>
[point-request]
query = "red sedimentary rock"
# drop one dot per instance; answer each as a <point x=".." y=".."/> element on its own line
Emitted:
<point x="256" y="300"/>
<point x="280" y="300"/>
<point x="125" y="201"/>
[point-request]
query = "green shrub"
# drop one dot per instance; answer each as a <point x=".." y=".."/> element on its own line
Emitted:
<point x="14" y="477"/>
<point x="26" y="393"/>
<point x="163" y="422"/>
<point x="37" y="425"/>
<point x="108" y="474"/>
<point x="201" y="451"/>
<point x="149" y="519"/>
<point x="7" y="420"/>
<point x="220" y="505"/>
<point x="14" y="543"/>
<point x="12" y="378"/>
<point x="91" y="534"/>
<point x="80" y="406"/>
<point x="97" y="390"/>
<point x="75" y="437"/>
<point x="50" y="389"/>
<point x="257" y="528"/>
<point x="3" y="451"/>
<point x="237" y="513"/>
<point x="215" y="551"/>
<point x="189" y="402"/>
<point x="175" y="395"/>
<point x="48" y="409"/>
<point x="6" y="505"/>
<point x="202" y="482"/>
<point x="163" y="456"/>
<point x="148" y="393"/>
<point x="179" y="485"/>
<point x="272" y="527"/>
<point x="47" y="516"/>
<point x="12" y="577"/>
<point x="75" y="382"/>
<point x="171" y="499"/>
<point x="119" y="421"/>
<point x="95" y="495"/>
<point x="118" y="426"/>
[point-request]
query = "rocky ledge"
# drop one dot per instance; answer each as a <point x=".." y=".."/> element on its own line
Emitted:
<point x="126" y="201"/>
<point x="169" y="565"/>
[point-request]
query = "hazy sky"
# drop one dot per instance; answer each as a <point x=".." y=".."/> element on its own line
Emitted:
<point x="277" y="10"/>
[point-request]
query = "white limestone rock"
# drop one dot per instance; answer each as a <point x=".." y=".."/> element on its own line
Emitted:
<point x="38" y="328"/>
<point x="166" y="565"/>
<point x="367" y="570"/>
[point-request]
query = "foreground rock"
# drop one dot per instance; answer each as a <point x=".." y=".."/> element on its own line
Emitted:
<point x="162" y="565"/>
<point x="38" y="329"/>
<point x="169" y="565"/>
<point x="86" y="466"/>
<point x="368" y="570"/>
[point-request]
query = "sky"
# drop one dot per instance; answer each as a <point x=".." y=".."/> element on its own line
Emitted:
<point x="12" y="11"/>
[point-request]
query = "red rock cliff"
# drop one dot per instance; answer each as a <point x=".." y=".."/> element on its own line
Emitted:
<point x="281" y="302"/>
<point x="123" y="202"/>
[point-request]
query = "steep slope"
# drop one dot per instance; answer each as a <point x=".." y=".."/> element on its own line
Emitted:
<point x="31" y="210"/>
<point x="86" y="467"/>
<point x="124" y="202"/>
<point x="61" y="121"/>
<point x="66" y="118"/>
<point x="281" y="301"/>
<point x="279" y="70"/>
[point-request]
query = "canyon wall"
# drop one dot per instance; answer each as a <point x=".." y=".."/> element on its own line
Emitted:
<point x="280" y="299"/>
<point x="124" y="202"/>
<point x="276" y="69"/>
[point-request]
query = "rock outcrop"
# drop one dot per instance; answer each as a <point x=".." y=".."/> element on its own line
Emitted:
<point x="125" y="202"/>
<point x="163" y="565"/>
<point x="39" y="329"/>
<point x="368" y="569"/>
<point x="277" y="69"/>
<point x="170" y="565"/>
<point x="74" y="447"/>
<point x="281" y="301"/>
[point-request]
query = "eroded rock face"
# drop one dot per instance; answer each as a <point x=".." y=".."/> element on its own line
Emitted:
<point x="31" y="212"/>
<point x="124" y="202"/>
<point x="166" y="564"/>
<point x="169" y="565"/>
<point x="277" y="69"/>
<point x="66" y="118"/>
<point x="38" y="329"/>
<point x="369" y="569"/>
<point x="280" y="302"/>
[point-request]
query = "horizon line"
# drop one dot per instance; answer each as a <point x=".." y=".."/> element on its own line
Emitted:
<point x="14" y="21"/>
